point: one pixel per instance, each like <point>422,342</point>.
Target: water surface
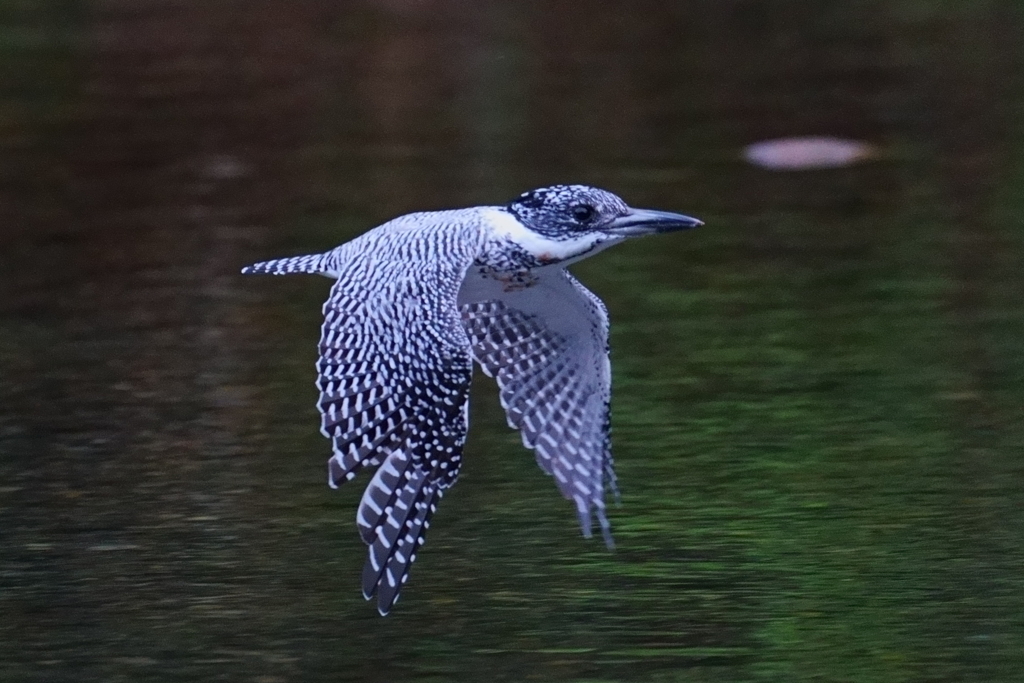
<point>818,396</point>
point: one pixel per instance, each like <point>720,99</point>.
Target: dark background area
<point>818,397</point>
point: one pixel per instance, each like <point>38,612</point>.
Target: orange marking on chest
<point>515,282</point>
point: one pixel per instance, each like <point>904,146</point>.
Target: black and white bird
<point>416,301</point>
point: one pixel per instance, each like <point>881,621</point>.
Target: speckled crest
<point>566,211</point>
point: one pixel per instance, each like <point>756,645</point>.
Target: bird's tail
<point>393,519</point>
<point>309,263</point>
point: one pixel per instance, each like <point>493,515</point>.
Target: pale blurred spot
<point>225,167</point>
<point>797,154</point>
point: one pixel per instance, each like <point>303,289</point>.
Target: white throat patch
<point>504,225</point>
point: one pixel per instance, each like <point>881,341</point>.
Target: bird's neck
<point>512,247</point>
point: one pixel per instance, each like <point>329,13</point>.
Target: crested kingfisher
<point>415,302</point>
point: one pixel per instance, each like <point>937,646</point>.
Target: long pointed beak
<point>648,221</point>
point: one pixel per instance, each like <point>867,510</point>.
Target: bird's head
<point>571,221</point>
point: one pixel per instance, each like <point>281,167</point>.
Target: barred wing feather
<point>391,401</point>
<point>394,374</point>
<point>547,347</point>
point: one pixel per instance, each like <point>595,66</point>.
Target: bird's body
<point>416,301</point>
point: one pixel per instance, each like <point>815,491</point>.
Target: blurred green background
<point>819,396</point>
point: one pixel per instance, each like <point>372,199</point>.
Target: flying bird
<point>415,302</point>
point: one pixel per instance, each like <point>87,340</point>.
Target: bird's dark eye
<point>583,212</point>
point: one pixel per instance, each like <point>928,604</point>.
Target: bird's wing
<point>546,344</point>
<point>393,392</point>
<point>394,374</point>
